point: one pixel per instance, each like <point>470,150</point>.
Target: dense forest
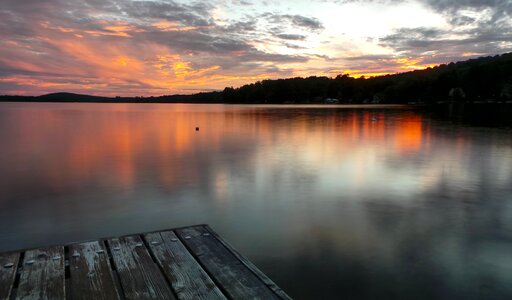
<point>485,79</point>
<point>481,79</point>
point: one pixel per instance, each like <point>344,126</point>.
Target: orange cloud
<point>412,63</point>
<point>181,68</point>
<point>173,26</point>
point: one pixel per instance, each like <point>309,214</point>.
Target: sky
<point>162,47</point>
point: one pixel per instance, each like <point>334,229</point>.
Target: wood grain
<point>140,277</point>
<point>186,276</point>
<point>272,285</point>
<point>91,273</point>
<point>8,267</point>
<point>227,270</point>
<point>186,263</point>
<point>42,274</point>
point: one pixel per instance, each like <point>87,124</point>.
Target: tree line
<point>481,79</point>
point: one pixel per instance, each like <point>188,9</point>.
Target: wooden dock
<point>184,263</point>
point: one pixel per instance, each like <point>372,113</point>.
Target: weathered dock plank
<point>43,274</point>
<point>227,270</point>
<point>8,267</point>
<point>186,263</point>
<point>186,276</point>
<point>272,285</point>
<point>140,277</point>
<point>91,273</point>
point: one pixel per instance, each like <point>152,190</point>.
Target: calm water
<point>326,201</point>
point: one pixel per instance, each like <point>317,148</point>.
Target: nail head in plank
<point>139,275</point>
<point>44,278</point>
<point>91,273</point>
<point>225,268</point>
<point>186,276</point>
<point>8,267</point>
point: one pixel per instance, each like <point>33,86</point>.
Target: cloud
<point>196,14</point>
<point>129,46</point>
<point>433,41</point>
<point>476,27</point>
<point>502,5</point>
<point>174,46</point>
<point>298,21</point>
<point>242,2</point>
<point>454,10</point>
<point>466,12</point>
<point>306,22</point>
<point>293,37</point>
<point>242,27</point>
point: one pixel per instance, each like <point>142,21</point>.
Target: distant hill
<point>56,97</point>
<point>212,97</point>
<point>65,97</point>
<point>476,80</point>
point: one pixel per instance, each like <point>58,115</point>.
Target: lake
<point>331,202</point>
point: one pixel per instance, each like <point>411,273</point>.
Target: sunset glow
<point>158,47</point>
<point>124,134</point>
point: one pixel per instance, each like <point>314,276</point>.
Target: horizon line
<point>358,76</point>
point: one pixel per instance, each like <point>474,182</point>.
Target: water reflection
<point>330,202</point>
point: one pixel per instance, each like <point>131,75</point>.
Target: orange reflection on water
<point>78,145</point>
<point>408,135</point>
